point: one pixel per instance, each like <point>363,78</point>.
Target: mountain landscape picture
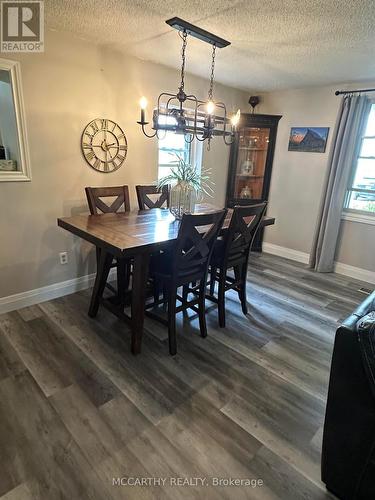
<point>308,139</point>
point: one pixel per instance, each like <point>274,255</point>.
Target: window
<point>171,144</point>
<point>360,196</point>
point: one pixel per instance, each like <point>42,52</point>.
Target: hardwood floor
<point>77,409</point>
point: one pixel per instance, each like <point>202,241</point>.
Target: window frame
<point>355,214</point>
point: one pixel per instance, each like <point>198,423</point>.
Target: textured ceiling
<point>275,43</point>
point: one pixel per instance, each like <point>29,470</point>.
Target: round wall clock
<point>104,145</point>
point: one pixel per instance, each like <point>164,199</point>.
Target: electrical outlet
<point>63,257</point>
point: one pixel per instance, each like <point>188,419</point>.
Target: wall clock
<point>104,145</point>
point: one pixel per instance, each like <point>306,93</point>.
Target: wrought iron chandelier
<point>183,113</point>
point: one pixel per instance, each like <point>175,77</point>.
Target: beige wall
<point>298,178</point>
<point>70,84</point>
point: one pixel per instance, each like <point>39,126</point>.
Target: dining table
<point>134,235</point>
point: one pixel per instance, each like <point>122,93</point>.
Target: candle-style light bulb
<point>210,107</point>
<point>143,102</point>
<point>143,105</point>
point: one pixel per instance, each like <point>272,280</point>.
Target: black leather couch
<point>348,454</point>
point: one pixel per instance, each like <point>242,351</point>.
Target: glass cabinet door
<point>251,163</point>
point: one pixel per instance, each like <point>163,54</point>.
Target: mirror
<point>14,154</point>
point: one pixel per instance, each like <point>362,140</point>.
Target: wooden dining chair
<point>161,197</point>
<point>186,265</point>
<point>232,252</point>
<point>118,200</point>
<point>97,195</point>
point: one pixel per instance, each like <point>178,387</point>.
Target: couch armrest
<point>366,306</point>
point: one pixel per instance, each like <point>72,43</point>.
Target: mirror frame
<point>24,174</point>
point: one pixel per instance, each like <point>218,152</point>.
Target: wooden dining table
<point>130,235</point>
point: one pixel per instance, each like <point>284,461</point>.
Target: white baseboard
<point>288,253</point>
<point>31,297</point>
<point>355,272</point>
<point>340,268</point>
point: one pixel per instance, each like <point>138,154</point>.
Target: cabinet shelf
<point>250,176</point>
<point>252,149</point>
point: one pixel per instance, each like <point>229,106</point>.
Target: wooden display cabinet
<point>250,163</point>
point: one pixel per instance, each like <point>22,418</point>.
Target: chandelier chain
<point>211,90</point>
<point>183,36</point>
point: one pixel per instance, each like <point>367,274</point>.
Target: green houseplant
<point>188,184</point>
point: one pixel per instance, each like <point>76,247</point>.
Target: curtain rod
<point>339,92</point>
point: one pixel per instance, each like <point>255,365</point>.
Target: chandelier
<point>183,113</point>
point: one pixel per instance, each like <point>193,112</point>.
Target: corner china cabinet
<point>250,163</point>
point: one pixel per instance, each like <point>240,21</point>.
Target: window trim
<point>352,214</point>
<point>361,216</point>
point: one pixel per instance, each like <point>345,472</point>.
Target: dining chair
<point>118,200</point>
<point>97,195</point>
<point>160,197</point>
<point>232,251</point>
<point>186,265</point>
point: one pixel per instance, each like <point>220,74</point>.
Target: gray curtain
<point>344,150</point>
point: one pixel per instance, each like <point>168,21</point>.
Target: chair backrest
<point>195,242</point>
<point>95,197</point>
<point>144,200</point>
<point>243,226</point>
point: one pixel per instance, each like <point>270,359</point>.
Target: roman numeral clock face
<point>104,145</point>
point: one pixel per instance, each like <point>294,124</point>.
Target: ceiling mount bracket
<point>195,31</point>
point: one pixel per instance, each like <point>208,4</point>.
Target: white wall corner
<point>287,253</point>
<point>340,268</point>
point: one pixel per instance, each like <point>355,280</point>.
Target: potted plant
<point>188,184</point>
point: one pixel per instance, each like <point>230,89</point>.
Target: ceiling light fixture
<point>185,114</point>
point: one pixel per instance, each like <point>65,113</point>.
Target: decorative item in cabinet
<point>247,167</point>
<point>246,192</point>
<point>250,163</point>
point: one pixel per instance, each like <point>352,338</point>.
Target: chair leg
<point>202,308</point>
<point>172,322</point>
<point>165,296</point>
<point>97,251</point>
<point>212,280</point>
<point>221,298</point>
<point>156,291</point>
<point>243,289</point>
<point>240,273</point>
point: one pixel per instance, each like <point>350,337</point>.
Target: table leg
<point>140,273</point>
<point>122,280</point>
<point>104,265</point>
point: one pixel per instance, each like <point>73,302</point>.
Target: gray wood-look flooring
<point>77,409</point>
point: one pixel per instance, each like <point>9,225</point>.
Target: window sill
<point>359,217</point>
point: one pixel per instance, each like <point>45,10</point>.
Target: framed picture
<point>308,139</point>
